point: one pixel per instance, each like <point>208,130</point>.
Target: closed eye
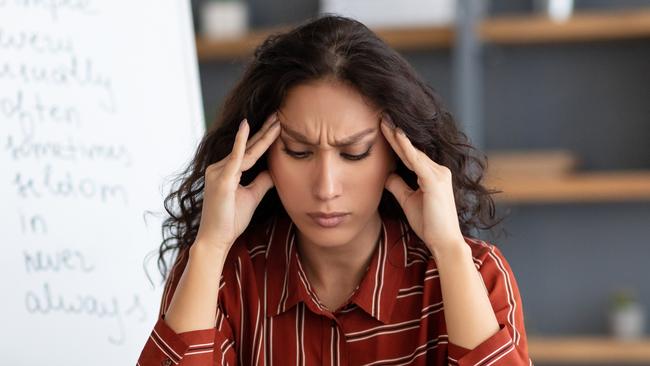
<point>305,154</point>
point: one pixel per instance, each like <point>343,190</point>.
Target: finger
<point>388,129</point>
<point>253,140</point>
<point>265,127</point>
<point>255,151</point>
<point>233,165</point>
<point>260,185</point>
<point>267,124</point>
<point>414,156</point>
<point>396,185</point>
<point>389,133</point>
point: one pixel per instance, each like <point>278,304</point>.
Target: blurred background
<point>557,94</point>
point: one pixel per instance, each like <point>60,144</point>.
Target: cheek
<point>368,179</point>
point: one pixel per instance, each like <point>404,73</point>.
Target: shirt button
<point>166,362</point>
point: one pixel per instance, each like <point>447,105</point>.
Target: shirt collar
<point>286,283</point>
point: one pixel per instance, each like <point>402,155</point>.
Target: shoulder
<point>481,250</point>
<point>491,264</point>
<point>484,251</point>
<point>418,255</point>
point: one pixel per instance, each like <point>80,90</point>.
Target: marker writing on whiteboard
<point>45,301</point>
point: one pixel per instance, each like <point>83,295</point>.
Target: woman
<point>338,233</point>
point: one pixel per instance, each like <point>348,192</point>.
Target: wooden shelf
<point>585,26</point>
<point>614,186</point>
<point>520,29</point>
<point>404,39</point>
<point>588,350</point>
<point>225,49</point>
<point>417,38</point>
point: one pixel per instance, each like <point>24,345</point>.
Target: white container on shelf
<point>557,10</point>
<point>388,13</point>
<point>224,19</point>
<point>627,317</point>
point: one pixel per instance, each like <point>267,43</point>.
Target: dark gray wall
<point>589,97</point>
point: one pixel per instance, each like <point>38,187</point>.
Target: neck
<point>342,266</point>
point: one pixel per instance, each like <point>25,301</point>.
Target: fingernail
<point>241,124</point>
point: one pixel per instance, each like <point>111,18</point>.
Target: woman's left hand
<point>431,209</point>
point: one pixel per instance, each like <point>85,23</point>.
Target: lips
<point>328,220</point>
<point>326,215</point>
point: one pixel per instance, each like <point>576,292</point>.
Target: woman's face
<point>331,156</point>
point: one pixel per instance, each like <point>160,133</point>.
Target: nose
<point>326,184</point>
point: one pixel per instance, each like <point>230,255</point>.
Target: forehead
<point>327,106</point>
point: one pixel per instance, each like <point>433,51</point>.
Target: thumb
<point>396,185</point>
<point>260,185</point>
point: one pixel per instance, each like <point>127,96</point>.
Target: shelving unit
<point>588,350</point>
<point>575,187</point>
<point>520,29</point>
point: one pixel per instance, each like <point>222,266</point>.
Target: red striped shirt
<point>268,313</point>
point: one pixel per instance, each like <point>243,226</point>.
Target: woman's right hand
<point>228,206</point>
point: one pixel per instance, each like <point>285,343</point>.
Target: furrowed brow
<point>347,141</point>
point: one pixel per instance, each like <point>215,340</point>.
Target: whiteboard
<point>99,105</point>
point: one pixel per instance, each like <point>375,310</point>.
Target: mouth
<point>328,220</point>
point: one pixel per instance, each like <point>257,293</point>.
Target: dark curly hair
<point>330,46</point>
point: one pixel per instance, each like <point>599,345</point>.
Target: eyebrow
<point>347,141</point>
